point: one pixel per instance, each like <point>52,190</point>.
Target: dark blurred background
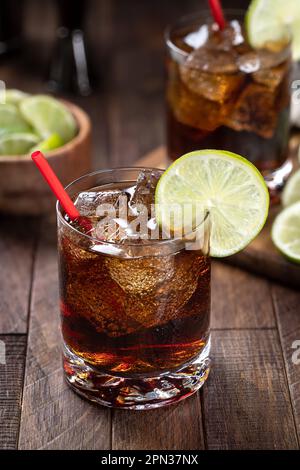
<point>125,53</point>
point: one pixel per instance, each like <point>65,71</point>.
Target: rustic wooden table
<point>252,397</point>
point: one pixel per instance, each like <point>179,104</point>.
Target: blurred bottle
<point>11,13</point>
<point>69,69</point>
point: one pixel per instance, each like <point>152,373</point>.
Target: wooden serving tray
<point>261,256</point>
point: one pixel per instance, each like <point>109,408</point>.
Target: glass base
<point>135,393</point>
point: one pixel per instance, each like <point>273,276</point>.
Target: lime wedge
<point>286,232</point>
<point>54,141</point>
<point>17,144</point>
<point>291,192</point>
<point>48,116</point>
<point>225,184</point>
<point>271,21</point>
<point>13,96</point>
<point>11,120</point>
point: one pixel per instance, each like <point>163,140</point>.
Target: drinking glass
<point>221,93</point>
<point>135,314</point>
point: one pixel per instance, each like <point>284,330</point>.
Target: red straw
<point>59,191</point>
<point>217,13</point>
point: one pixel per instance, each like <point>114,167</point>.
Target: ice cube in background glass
<point>217,87</point>
<point>267,67</point>
<point>211,75</point>
<point>255,111</point>
<point>270,58</point>
<point>238,37</point>
<point>210,71</point>
<point>228,39</point>
<point>206,59</point>
<point>197,38</point>
<point>186,104</point>
<point>249,63</point>
<point>271,77</point>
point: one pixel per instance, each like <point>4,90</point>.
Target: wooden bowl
<point>22,188</point>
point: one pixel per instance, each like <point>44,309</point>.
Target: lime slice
<point>48,116</point>
<point>291,192</point>
<point>271,21</point>
<point>225,184</point>
<point>286,232</point>
<point>13,96</point>
<point>11,120</point>
<point>54,141</point>
<point>17,144</point>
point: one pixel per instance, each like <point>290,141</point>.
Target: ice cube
<point>194,110</point>
<point>212,86</point>
<point>91,292</point>
<point>167,298</point>
<point>128,310</point>
<point>106,249</point>
<point>197,38</point>
<point>255,111</point>
<point>249,63</point>
<point>140,275</point>
<point>271,77</point>
<point>102,307</point>
<point>144,191</point>
<point>212,74</point>
<point>103,209</point>
<point>133,293</point>
<point>111,228</point>
<point>273,58</point>
<point>75,249</point>
<point>142,205</point>
<point>238,36</point>
<point>205,59</point>
<point>226,39</point>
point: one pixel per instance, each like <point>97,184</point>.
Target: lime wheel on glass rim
<point>227,185</point>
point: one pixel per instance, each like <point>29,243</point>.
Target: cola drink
<point>223,94</point>
<point>133,309</point>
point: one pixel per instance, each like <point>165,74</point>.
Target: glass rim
<point>192,17</point>
<point>151,243</point>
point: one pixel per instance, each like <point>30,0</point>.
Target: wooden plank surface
<point>240,300</point>
<point>261,256</point>
<point>287,308</point>
<point>17,246</point>
<point>246,399</point>
<point>11,385</point>
<point>252,396</point>
<point>172,428</point>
